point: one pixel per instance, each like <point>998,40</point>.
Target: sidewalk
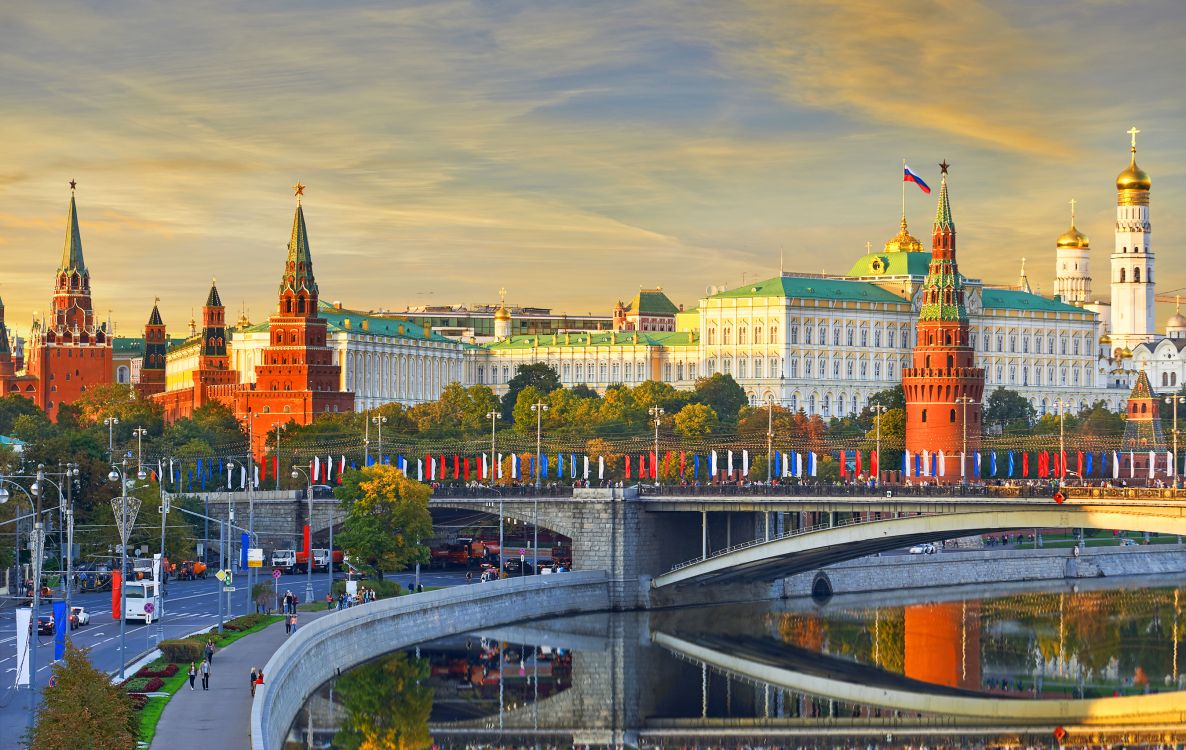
<point>221,716</point>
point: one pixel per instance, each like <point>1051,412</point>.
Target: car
<point>926,548</point>
<point>79,617</point>
<point>45,624</point>
<point>1128,542</point>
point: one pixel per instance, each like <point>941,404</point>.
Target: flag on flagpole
<point>906,464</point>
<point>601,467</point>
<point>1115,465</point>
<point>1152,463</point>
<point>585,474</point>
<point>813,463</point>
<point>712,465</point>
<point>1170,468</point>
<point>745,463</point>
<point>730,463</point>
<point>908,175</point>
<point>1132,464</point>
<point>942,464</point>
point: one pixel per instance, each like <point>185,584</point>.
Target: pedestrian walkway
<point>221,717</point>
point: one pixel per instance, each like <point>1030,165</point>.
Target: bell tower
<point>1132,258</point>
<point>943,386</point>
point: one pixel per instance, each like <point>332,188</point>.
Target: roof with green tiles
<point>802,287</point>
<point>652,302</point>
<point>1013,299</point>
<point>600,338</point>
<point>891,264</point>
<point>339,319</point>
<point>127,346</point>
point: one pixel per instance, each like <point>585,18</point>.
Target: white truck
<point>284,560</point>
<point>142,601</point>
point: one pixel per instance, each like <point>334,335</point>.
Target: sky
<point>570,152</point>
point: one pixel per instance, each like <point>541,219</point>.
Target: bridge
<point>868,533</point>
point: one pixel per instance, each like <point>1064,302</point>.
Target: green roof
<point>652,302</point>
<point>812,288</point>
<point>335,319</point>
<point>600,338</point>
<point>1013,299</point>
<point>891,264</point>
<point>135,345</point>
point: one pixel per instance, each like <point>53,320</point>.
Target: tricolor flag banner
<point>712,465</point>
<point>908,175</point>
<point>586,473</point>
<point>316,468</point>
<point>942,464</point>
<point>1132,464</point>
<point>745,463</point>
<point>905,464</point>
<point>1152,463</point>
<point>812,463</point>
<point>1115,465</point>
<point>499,466</point>
<point>1170,464</point>
<point>420,470</point>
<point>730,462</point>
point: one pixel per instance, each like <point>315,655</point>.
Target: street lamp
<point>32,642</point>
<point>139,432</point>
<point>119,473</point>
<point>1062,448</point>
<point>111,422</point>
<point>657,413</point>
<point>494,416</point>
<point>878,410</point>
<point>379,421</point>
<point>297,473</point>
<point>1175,400</point>
<point>539,407</point>
<point>964,401</point>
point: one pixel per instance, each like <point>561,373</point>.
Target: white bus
<point>142,600</point>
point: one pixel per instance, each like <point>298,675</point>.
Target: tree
<point>695,421</point>
<point>539,375</point>
<point>386,517</point>
<point>723,394</point>
<point>387,704</point>
<point>80,708</point>
<point>522,415</point>
<point>890,398</point>
<point>1007,409</point>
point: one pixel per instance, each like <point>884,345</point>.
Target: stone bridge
<point>280,515</point>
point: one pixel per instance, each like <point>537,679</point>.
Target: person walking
<point>292,624</point>
<point>205,675</point>
<point>209,650</point>
<point>288,624</point>
<point>193,673</point>
<point>254,676</point>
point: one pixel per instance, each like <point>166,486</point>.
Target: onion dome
<point>1105,339</point>
<point>1177,320</point>
<point>1124,353</point>
<point>903,241</point>
<point>1133,178</point>
<point>501,313</point>
<point>1073,238</point>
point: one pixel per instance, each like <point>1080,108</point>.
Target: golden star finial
<point>73,185</point>
<point>298,190</point>
<point>944,166</point>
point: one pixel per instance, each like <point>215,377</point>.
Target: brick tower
<point>152,365</point>
<point>214,367</point>
<point>12,384</point>
<point>943,385</point>
<point>69,352</point>
<point>297,378</point>
<point>1142,422</point>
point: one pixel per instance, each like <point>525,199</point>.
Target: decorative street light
<point>140,432</point>
<point>539,407</point>
<point>963,401</point>
<point>494,468</point>
<point>125,519</point>
<point>379,421</point>
<point>656,413</point>
<point>111,422</point>
<point>878,410</point>
<point>297,473</point>
<point>1174,401</point>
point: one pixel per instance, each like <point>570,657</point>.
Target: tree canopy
<point>386,518</point>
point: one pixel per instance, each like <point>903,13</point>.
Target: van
<point>142,601</point>
<point>284,559</point>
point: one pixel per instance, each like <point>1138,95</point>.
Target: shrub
<point>138,700</point>
<point>154,684</point>
<point>167,670</point>
<point>382,587</point>
<point>244,622</point>
<point>181,651</point>
<point>136,684</point>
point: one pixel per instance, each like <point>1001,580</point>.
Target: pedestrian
<point>254,677</point>
<point>205,675</point>
<point>210,650</point>
<point>193,673</point>
<point>294,623</point>
<point>259,677</point>
<point>329,601</point>
<point>288,624</point>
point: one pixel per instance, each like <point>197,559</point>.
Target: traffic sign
<point>220,575</point>
<point>229,589</point>
<point>255,557</point>
<point>276,573</point>
<point>522,552</point>
<point>148,607</point>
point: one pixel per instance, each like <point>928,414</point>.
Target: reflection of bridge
<point>854,684</point>
<point>868,533</point>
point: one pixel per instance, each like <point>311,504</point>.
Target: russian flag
<point>910,176</point>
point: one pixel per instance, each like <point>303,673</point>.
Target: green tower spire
<point>72,250</point>
<point>298,270</point>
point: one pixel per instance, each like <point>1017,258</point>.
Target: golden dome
<point>903,242</point>
<point>1177,320</point>
<point>501,313</point>
<point>1105,339</point>
<point>1133,178</point>
<point>1124,353</point>
<point>1073,238</point>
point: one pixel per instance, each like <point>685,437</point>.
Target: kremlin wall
<point>816,342</point>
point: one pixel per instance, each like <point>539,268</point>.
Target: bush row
<point>182,651</point>
<point>167,670</point>
<point>382,587</point>
<point>144,684</point>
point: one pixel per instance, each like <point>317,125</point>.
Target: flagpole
<point>903,179</point>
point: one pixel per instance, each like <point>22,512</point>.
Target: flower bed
<point>155,670</point>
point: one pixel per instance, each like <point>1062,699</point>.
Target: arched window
<point>794,334</point>
<point>924,415</point>
<point>726,335</point>
<point>712,336</point>
<point>773,334</point>
<point>1136,275</point>
<point>953,415</point>
<point>742,335</point>
<point>1121,275</point>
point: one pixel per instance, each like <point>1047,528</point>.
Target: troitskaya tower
<point>943,385</point>
<point>1132,259</point>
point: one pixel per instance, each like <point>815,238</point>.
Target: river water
<point>1093,664</point>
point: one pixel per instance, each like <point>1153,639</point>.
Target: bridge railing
<point>835,490</point>
<point>514,491</point>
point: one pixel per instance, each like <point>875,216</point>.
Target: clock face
<point>879,264</point>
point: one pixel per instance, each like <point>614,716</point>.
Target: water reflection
<point>993,671</point>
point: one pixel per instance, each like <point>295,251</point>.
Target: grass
<point>150,715</point>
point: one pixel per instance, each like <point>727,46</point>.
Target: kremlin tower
<point>152,366</point>
<point>943,386</point>
<point>69,351</point>
<point>1132,260</point>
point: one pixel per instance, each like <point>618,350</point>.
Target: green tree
<point>1006,409</point>
<point>890,398</point>
<point>14,407</point>
<point>522,415</point>
<point>80,708</point>
<point>723,394</point>
<point>1100,421</point>
<point>386,517</point>
<point>695,421</point>
<point>538,375</point>
<point>387,705</point>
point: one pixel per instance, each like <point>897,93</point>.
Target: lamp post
<point>539,407</point>
<point>32,642</point>
<point>111,422</point>
<point>656,413</point>
<point>1174,401</point>
<point>963,401</point>
<point>494,416</point>
<point>878,410</point>
<point>297,473</point>
<point>769,437</point>
<point>119,473</point>
<point>1062,448</point>
<point>379,421</point>
<point>139,432</point>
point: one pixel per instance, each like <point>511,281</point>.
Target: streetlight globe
<point>295,475</point>
<point>3,495</point>
<point>141,475</point>
<point>113,476</point>
<point>35,488</point>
